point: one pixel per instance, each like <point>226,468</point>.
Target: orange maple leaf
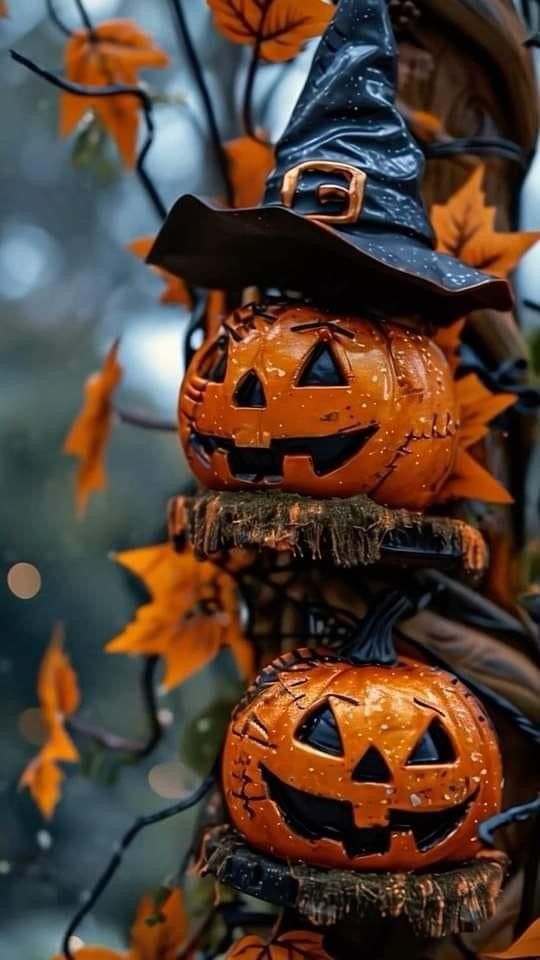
<point>58,696</point>
<point>526,947</point>
<point>449,341</point>
<point>88,436</point>
<point>279,27</point>
<point>465,228</point>
<point>192,615</point>
<point>250,162</point>
<point>293,945</point>
<point>469,479</point>
<point>112,53</point>
<point>156,941</point>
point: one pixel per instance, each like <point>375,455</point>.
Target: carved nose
<point>250,392</point>
<point>372,768</point>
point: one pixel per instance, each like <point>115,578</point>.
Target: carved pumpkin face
<point>362,767</point>
<point>313,403</point>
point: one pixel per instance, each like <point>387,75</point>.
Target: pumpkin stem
<point>374,641</point>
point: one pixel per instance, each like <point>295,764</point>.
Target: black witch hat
<point>342,219</point>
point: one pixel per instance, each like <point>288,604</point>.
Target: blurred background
<point>68,287</point>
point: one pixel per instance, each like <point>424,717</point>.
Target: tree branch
<point>184,35</point>
<point>113,90</point>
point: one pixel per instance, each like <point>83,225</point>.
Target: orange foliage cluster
<point>88,436</point>
<point>465,228</point>
<point>294,945</point>
<point>112,53</point>
<point>161,940</point>
<point>279,28</point>
<point>192,615</point>
<point>58,695</point>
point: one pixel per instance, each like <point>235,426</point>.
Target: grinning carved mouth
<point>318,818</point>
<point>254,464</point>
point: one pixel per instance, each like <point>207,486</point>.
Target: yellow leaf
<point>526,947</point>
<point>112,53</point>
<point>294,945</point>
<point>88,436</point>
<point>176,290</point>
<point>279,27</point>
<point>193,613</point>
<point>465,228</point>
<point>250,162</point>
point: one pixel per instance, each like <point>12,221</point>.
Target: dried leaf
<point>279,27</point>
<point>59,697</point>
<point>468,479</point>
<point>465,228</point>
<point>250,162</point>
<point>193,613</point>
<point>157,941</point>
<point>113,53</point>
<point>526,947</point>
<point>91,429</point>
<point>294,945</point>
<point>176,290</point>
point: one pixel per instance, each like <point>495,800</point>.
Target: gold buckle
<point>352,193</point>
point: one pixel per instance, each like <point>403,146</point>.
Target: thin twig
<point>113,90</point>
<point>102,883</point>
<point>54,17</point>
<point>248,91</point>
<point>144,420</point>
<point>84,15</point>
<point>105,738</point>
<point>182,29</point>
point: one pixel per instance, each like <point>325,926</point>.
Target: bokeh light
<point>168,780</point>
<point>24,580</point>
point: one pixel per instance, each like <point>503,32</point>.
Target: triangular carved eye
<point>372,768</point>
<point>214,365</point>
<point>250,392</point>
<point>320,730</point>
<point>434,746</point>
<point>321,369</point>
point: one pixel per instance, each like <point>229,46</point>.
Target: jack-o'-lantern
<point>360,766</point>
<point>290,397</point>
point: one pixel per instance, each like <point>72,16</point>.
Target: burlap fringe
<point>349,531</point>
<point>435,904</point>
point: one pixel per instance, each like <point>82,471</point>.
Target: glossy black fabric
<point>385,261</point>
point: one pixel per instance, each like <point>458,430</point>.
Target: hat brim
<point>274,247</point>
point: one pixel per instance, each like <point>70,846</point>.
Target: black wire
<point>148,688</point>
<point>102,883</point>
<point>110,91</point>
<point>84,15</point>
<point>185,36</point>
<point>479,146</point>
<point>54,17</point>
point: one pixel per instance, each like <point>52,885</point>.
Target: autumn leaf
<point>279,27</point>
<point>526,947</point>
<point>294,945</point>
<point>58,696</point>
<point>112,53</point>
<point>88,436</point>
<point>161,940</point>
<point>250,162</point>
<point>176,290</point>
<point>468,478</point>
<point>4,12</point>
<point>448,339</point>
<point>216,310</point>
<point>465,228</point>
<point>192,615</point>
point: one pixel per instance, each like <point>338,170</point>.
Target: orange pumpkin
<point>320,404</point>
<point>360,767</point>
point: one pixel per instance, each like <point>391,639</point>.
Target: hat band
<point>352,193</point>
